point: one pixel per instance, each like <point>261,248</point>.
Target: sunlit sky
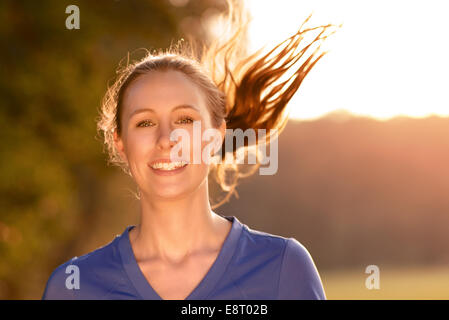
<point>389,58</point>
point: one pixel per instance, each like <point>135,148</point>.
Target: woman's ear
<point>120,147</point>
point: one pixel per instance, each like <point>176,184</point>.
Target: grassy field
<point>395,283</point>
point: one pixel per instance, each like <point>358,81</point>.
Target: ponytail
<point>256,92</point>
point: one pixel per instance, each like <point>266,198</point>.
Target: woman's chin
<point>169,193</point>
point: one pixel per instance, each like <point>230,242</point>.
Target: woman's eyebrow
<point>182,106</point>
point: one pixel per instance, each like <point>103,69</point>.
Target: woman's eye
<point>186,120</point>
<point>148,123</point>
<point>144,123</point>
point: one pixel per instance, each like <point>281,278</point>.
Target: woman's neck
<point>171,230</point>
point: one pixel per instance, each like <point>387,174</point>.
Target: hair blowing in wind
<point>247,91</point>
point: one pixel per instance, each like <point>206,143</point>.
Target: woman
<point>182,249</point>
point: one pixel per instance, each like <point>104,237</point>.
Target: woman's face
<point>153,106</point>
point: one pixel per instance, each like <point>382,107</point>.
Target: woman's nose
<point>164,141</point>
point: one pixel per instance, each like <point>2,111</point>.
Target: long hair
<point>246,91</point>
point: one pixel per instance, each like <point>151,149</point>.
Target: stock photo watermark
<point>373,280</point>
<point>73,280</point>
<point>73,20</point>
<point>257,147</point>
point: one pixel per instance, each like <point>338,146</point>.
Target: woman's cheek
<point>141,144</point>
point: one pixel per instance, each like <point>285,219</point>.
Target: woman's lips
<point>168,172</point>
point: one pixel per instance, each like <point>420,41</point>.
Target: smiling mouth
<point>168,166</point>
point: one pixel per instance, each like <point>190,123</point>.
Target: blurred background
<point>363,175</point>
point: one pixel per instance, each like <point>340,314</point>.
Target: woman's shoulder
<point>291,250</point>
<point>289,246</point>
<point>261,247</point>
<point>298,275</point>
<point>299,278</point>
<point>98,258</point>
<point>67,278</point>
<point>257,239</point>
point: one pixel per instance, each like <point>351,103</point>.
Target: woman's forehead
<point>160,90</point>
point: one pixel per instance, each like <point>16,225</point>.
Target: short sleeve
<point>56,288</point>
<point>299,278</point>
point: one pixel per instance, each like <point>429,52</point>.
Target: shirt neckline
<point>205,286</point>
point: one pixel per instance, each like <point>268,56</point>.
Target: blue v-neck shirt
<point>251,265</point>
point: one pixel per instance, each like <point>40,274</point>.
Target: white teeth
<point>168,165</point>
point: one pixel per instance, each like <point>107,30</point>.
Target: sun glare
<point>389,58</point>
